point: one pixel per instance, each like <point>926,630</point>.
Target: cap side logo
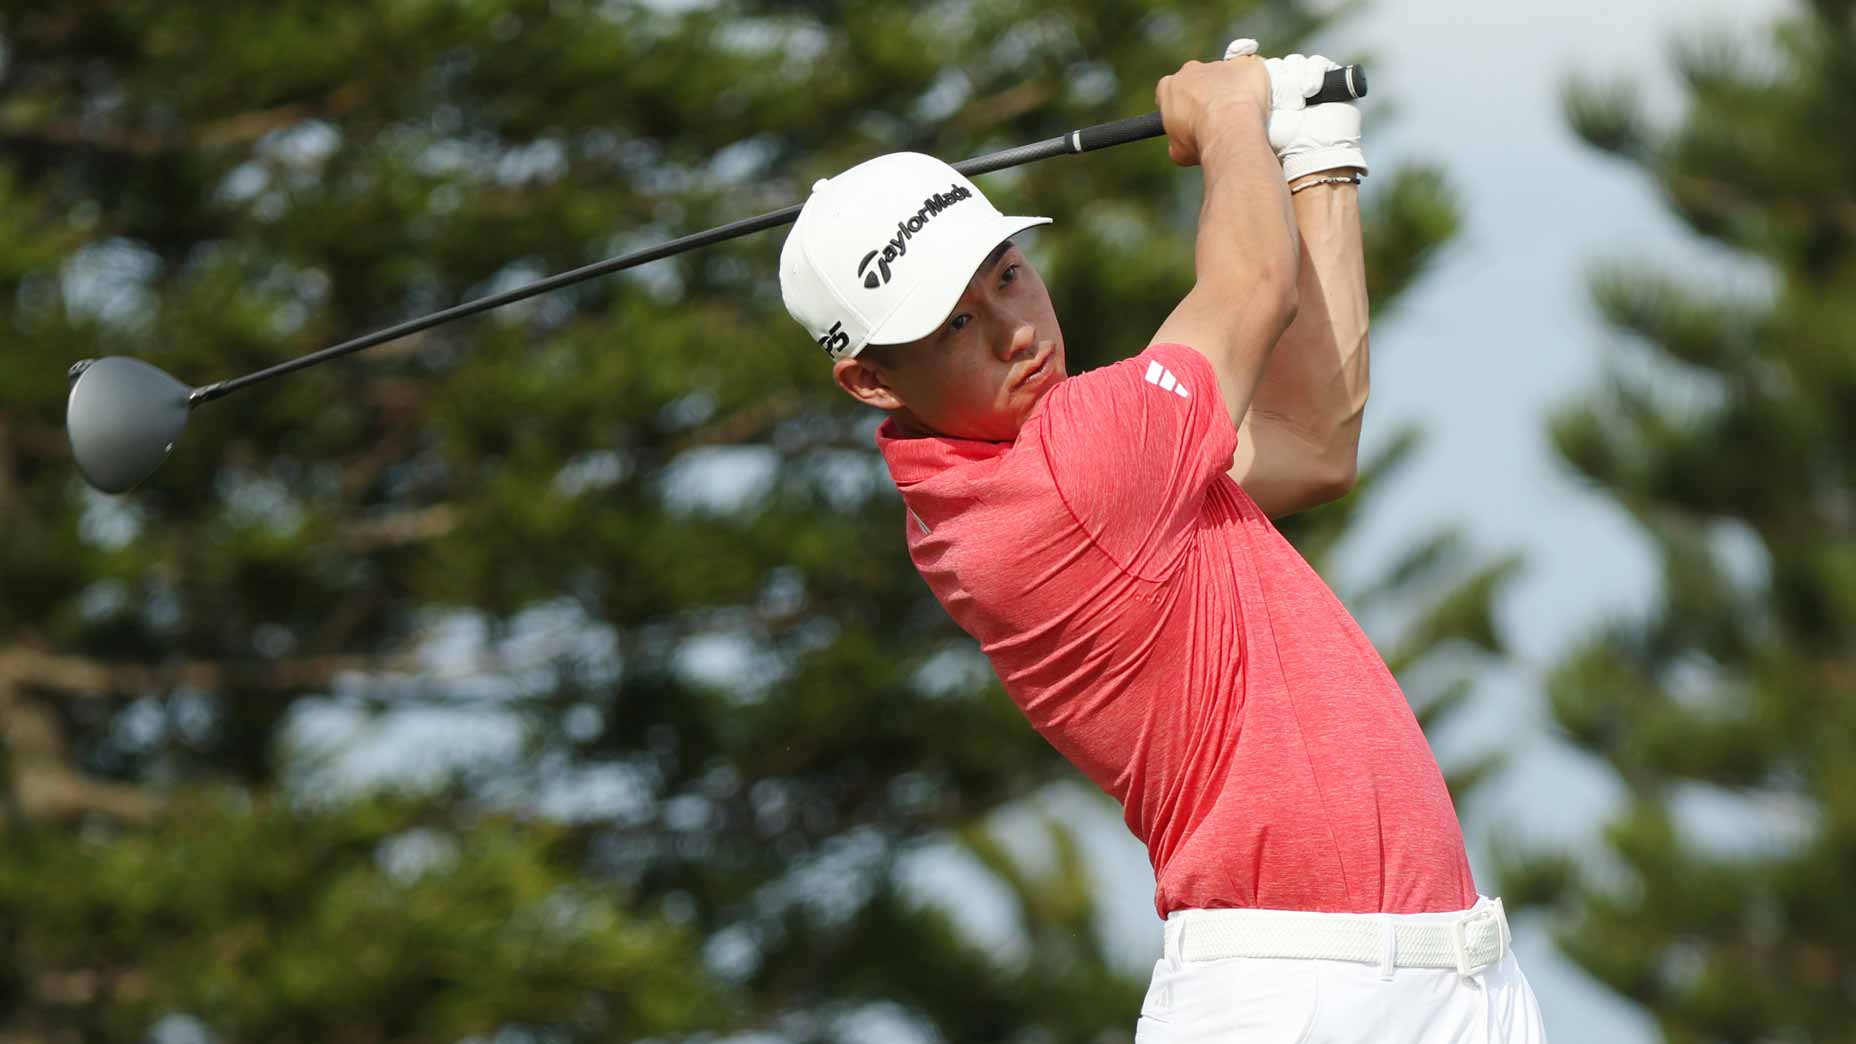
<point>889,252</point>
<point>835,339</point>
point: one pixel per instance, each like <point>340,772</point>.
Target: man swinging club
<point>1106,539</point>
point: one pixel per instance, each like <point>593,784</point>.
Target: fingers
<point>1295,78</point>
<point>1176,115</point>
<point>1313,72</point>
<point>1305,137</point>
<point>1199,92</point>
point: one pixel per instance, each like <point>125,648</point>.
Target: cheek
<point>961,392</point>
<point>947,392</point>
<point>969,380</point>
<point>1047,313</point>
<point>972,392</point>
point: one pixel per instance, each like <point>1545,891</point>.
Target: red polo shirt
<point>1158,631</point>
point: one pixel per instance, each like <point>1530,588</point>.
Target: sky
<point>1500,333</point>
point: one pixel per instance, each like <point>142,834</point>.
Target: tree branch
<point>239,129</point>
<point>399,528</point>
<point>1000,106</point>
<point>44,786</point>
<point>743,424</point>
<point>76,675</point>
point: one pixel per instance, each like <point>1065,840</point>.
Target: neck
<point>908,424</point>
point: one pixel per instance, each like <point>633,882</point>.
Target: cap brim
<point>923,311</point>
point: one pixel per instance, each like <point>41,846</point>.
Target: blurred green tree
<point>1729,434</point>
<point>629,529</point>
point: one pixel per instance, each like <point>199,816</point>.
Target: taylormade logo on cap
<point>905,230</point>
<point>850,289</point>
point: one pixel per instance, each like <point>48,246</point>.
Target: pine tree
<point>1740,434</point>
<point>666,537</point>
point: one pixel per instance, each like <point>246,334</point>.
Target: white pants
<point>1276,1000</point>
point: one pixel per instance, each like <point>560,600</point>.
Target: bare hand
<point>1196,102</point>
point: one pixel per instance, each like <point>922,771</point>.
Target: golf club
<point>124,415</point>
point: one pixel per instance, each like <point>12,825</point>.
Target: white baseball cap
<point>881,253</point>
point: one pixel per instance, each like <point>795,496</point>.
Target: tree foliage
<point>1739,686</point>
<point>666,540</point>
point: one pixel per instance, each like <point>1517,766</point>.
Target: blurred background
<point>560,675</point>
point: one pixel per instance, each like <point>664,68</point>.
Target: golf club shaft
<point>1343,84</point>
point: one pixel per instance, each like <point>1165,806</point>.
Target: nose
<point>1024,340</point>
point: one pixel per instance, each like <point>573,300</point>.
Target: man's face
<point>982,372</point>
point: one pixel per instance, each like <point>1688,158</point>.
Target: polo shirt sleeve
<point>1133,448</point>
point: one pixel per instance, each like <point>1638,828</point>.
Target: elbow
<point>1317,484</point>
<point>1334,474</point>
<point>1317,489</point>
<point>1337,482</point>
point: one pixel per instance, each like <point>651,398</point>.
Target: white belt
<point>1470,943</point>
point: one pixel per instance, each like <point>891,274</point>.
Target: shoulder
<point>1171,369</point>
<point>1166,388</point>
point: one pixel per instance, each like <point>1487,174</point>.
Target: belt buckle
<point>1459,940</point>
<point>1459,944</point>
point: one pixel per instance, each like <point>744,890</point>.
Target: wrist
<point>1338,182</point>
<point>1333,177</point>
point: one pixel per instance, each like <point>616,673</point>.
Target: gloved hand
<point>1307,138</point>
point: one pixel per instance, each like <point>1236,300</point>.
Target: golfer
<point>1106,538</point>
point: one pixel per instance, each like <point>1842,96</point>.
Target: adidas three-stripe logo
<point>1160,375</point>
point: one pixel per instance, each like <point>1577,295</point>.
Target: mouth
<point>1040,368</point>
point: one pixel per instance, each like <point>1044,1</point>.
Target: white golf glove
<point>1307,138</point>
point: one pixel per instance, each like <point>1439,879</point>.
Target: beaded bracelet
<point>1350,179</point>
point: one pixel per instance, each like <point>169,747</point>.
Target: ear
<point>863,381</point>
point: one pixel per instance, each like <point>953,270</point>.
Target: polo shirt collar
<point>917,458</point>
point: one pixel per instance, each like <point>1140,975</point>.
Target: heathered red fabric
<point>1158,631</point>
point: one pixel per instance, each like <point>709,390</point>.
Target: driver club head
<point>122,417</point>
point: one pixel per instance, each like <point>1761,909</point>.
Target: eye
<point>1010,275</point>
<point>958,323</point>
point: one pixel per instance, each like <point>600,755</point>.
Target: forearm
<point>1246,261</point>
<point>1247,223</point>
<point>1314,386</point>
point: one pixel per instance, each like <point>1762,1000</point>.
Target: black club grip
<point>1117,132</point>
<point>1343,84</point>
